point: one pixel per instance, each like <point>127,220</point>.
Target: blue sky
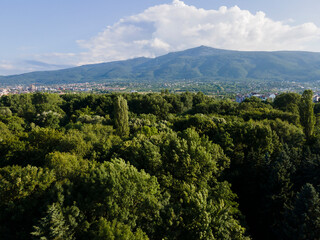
<point>47,35</point>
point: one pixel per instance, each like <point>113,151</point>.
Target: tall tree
<point>121,116</point>
<point>277,194</point>
<point>307,118</point>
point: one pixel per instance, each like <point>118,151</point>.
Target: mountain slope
<point>198,63</point>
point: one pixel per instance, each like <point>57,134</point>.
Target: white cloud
<point>6,65</point>
<point>23,66</point>
<point>177,26</point>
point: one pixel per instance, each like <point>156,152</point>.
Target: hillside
<point>203,63</point>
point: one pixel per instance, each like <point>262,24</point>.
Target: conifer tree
<point>278,192</point>
<point>303,221</point>
<point>121,116</point>
<point>307,118</point>
<point>52,226</point>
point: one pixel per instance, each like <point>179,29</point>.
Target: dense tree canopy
<point>158,166</point>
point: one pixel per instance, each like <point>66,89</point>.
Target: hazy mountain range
<point>203,63</point>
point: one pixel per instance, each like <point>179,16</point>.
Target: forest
<point>159,166</point>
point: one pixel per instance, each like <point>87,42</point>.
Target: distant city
<point>60,89</point>
<point>265,97</point>
<point>105,88</point>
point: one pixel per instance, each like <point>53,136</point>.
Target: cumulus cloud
<point>178,26</point>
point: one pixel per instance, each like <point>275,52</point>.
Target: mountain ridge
<point>202,63</point>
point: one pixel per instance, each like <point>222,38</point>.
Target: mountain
<point>202,63</point>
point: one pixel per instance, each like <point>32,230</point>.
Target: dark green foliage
<point>44,102</point>
<point>288,102</point>
<point>42,141</point>
<point>184,166</point>
<point>272,114</point>
<point>187,167</point>
<point>218,107</point>
<point>116,190</point>
<point>278,193</point>
<point>22,191</point>
<point>287,132</point>
<point>20,104</point>
<point>202,123</point>
<point>303,220</point>
<point>11,147</point>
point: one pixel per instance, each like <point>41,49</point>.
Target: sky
<point>37,35</point>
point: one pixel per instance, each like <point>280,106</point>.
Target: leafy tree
<point>5,111</point>
<point>11,146</point>
<point>191,158</point>
<point>73,141</point>
<point>198,98</point>
<point>202,123</point>
<point>44,102</point>
<point>226,107</point>
<point>22,194</point>
<point>114,230</point>
<point>117,190</point>
<point>15,124</point>
<point>43,141</point>
<point>287,132</point>
<point>186,99</point>
<point>288,102</point>
<point>65,164</point>
<point>48,119</point>
<point>99,140</point>
<point>142,153</point>
<point>20,104</point>
<point>190,169</point>
<point>18,182</point>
